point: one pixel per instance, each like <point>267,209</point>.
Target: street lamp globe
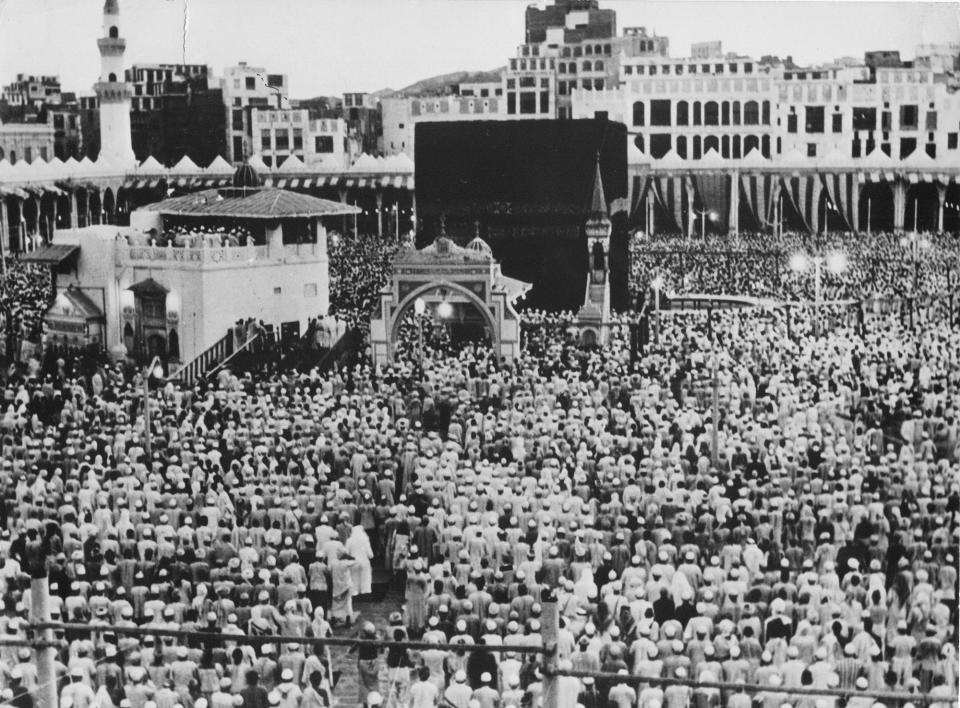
<point>798,262</point>
<point>445,309</point>
<point>419,306</point>
<point>157,372</point>
<point>657,283</point>
<point>713,216</point>
<point>836,263</point>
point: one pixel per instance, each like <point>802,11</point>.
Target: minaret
<point>116,146</point>
<point>594,315</point>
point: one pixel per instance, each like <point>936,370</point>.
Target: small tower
<point>116,145</point>
<point>594,315</point>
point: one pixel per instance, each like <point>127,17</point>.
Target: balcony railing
<point>214,255</point>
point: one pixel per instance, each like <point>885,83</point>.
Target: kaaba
<point>525,187</point>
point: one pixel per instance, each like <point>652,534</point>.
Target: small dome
<point>480,246</point>
<point>246,177</point>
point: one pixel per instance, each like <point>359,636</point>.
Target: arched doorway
<point>920,213</point>
<point>109,207</point>
<point>95,205</point>
<point>63,211</point>
<point>452,317</point>
<point>876,207</point>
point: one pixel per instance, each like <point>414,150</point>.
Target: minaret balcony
<point>112,91</point>
<point>112,46</point>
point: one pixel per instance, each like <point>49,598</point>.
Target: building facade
<point>26,142</point>
<point>35,91</point>
<point>318,143</point>
<point>246,87</point>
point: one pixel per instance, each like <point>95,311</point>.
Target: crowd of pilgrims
<point>877,265</point>
<point>817,550</point>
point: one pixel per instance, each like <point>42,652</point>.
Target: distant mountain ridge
<point>440,85</point>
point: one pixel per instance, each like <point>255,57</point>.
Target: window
<point>682,146</point>
<point>598,84</point>
<point>951,141</point>
<point>659,145</point>
<point>58,121</point>
<point>628,69</point>
<point>908,117</point>
<point>932,150</point>
<point>112,77</point>
<point>265,139</point>
<point>114,33</point>
<point>931,123</point>
<point>238,148</point>
<point>638,113</point>
<point>837,122</point>
<point>297,139</point>
<point>653,70</point>
<point>705,68</point>
<point>856,149</point>
<point>660,112</point>
<point>401,126</point>
<point>765,118</point>
<point>813,121</point>
<point>598,66</point>
<point>886,120</point>
<point>511,103</point>
<point>725,113</point>
<point>718,68</point>
<point>528,81</point>
<point>811,149</point>
<point>733,67</point>
<point>236,119</point>
<point>711,142</point>
<point>666,69</point>
<point>528,102</point>
<point>792,123</point>
<point>711,113</point>
<point>885,149</point>
<point>43,153</point>
<point>250,83</point>
<point>323,143</point>
<point>511,83</point>
<point>748,68</point>
<point>697,151</point>
<point>864,118</point>
<point>283,140</point>
<point>683,110</point>
<point>544,101</point>
<point>736,147</point>
<point>751,113</point>
<point>696,113</point>
<point>907,147</point>
<point>765,146</point>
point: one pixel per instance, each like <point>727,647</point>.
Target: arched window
<point>736,147</point>
<point>711,142</point>
<point>751,142</point>
<point>112,77</point>
<point>638,111</point>
<point>725,146</point>
<point>696,113</point>
<point>696,147</point>
<point>751,113</point>
<point>173,345</point>
<point>2,153</point>
<point>114,32</point>
<point>586,66</point>
<point>711,113</point>
<point>725,113</point>
<point>766,112</point>
<point>683,113</point>
<point>765,147</point>
<point>736,112</point>
<point>598,66</point>
<point>13,157</point>
<point>682,146</point>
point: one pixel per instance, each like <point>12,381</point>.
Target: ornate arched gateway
<point>461,276</point>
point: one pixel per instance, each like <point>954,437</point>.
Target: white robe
<point>358,546</point>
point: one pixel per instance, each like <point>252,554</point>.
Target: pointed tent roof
<point>400,162</point>
<point>151,165</point>
<point>186,166</point>
<point>877,158</point>
<point>292,164</point>
<point>365,163</point>
<point>598,201</point>
<point>71,165</point>
<point>671,159</point>
<point>755,158</point>
<point>835,158</point>
<point>712,158</point>
<point>257,163</point>
<point>794,158</point>
<point>220,166</point>
<point>919,158</point>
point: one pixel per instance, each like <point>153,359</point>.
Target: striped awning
<point>362,182</point>
<point>294,183</point>
<point>281,183</point>
<point>307,182</point>
<point>349,182</point>
<point>398,182</point>
<point>152,184</point>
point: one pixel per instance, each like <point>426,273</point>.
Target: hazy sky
<point>332,46</point>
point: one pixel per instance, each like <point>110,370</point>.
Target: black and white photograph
<point>479,354</point>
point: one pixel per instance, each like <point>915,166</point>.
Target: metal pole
<point>420,337</point>
<point>46,653</point>
<point>715,428</point>
<point>549,635</point>
<point>869,205</point>
<point>146,417</point>
<point>703,227</point>
<point>817,296</point>
<point>656,310</point>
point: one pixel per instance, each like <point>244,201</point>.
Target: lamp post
<point>657,285</point>
<point>715,428</point>
<point>704,215</point>
<point>396,220</point>
<point>419,307</point>
<point>915,243</point>
<point>836,263</point>
<point>155,368</point>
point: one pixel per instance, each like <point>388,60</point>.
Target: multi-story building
<point>245,87</point>
<point>36,91</point>
<point>319,143</point>
<point>364,121</point>
<point>67,122</point>
<point>25,142</point>
<point>401,114</point>
<point>151,81</point>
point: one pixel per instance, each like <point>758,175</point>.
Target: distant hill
<point>441,85</point>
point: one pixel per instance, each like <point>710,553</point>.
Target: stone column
<point>379,194</point>
<point>855,202</point>
<point>899,204</point>
<point>733,222</point>
<point>74,217</point>
<point>941,198</point>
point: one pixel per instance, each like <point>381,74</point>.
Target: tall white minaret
<point>116,146</point>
